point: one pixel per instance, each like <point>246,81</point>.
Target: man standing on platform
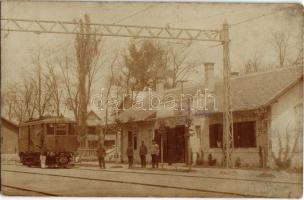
<point>101,153</point>
<point>154,154</point>
<point>143,152</point>
<point>130,155</point>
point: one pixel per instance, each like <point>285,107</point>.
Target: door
<point>130,138</point>
<point>173,144</point>
<point>180,144</point>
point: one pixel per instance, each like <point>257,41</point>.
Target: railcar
<point>53,140</point>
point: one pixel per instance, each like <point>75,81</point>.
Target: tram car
<point>52,139</point>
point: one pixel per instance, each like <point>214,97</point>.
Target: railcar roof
<point>47,121</point>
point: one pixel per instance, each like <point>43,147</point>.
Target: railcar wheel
<point>63,159</point>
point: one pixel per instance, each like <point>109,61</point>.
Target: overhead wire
<point>135,13</point>
<point>257,17</point>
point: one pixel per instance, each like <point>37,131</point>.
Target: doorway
<point>173,144</point>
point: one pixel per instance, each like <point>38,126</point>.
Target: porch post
<point>262,129</point>
<point>162,132</point>
<point>162,150</point>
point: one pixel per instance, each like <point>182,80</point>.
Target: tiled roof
<point>140,111</point>
<point>250,91</point>
<point>48,119</point>
<point>3,119</point>
<point>253,91</point>
<point>131,115</point>
<point>247,92</point>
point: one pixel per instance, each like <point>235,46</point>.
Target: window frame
<point>65,129</point>
<point>238,131</point>
<point>218,127</point>
<point>47,129</point>
<point>198,131</point>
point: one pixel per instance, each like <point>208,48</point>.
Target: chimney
<point>209,77</point>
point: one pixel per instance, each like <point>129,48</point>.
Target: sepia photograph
<point>152,99</point>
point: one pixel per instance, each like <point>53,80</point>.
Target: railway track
<point>189,176</point>
<point>160,185</point>
<point>136,183</point>
<point>4,188</point>
<point>194,176</point>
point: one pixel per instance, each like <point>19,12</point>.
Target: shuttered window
<point>215,135</point>
<point>244,135</point>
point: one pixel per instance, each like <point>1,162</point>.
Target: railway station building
<point>267,120</point>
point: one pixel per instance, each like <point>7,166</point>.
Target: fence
<point>90,154</point>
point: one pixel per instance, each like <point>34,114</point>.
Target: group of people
<point>143,151</point>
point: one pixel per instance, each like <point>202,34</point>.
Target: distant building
<point>9,137</point>
<point>96,134</point>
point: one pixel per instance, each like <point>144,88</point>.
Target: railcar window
<point>50,129</point>
<point>61,129</point>
<point>72,129</point>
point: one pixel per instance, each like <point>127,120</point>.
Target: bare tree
<point>180,69</point>
<point>252,65</point>
<point>280,43</point>
<point>110,84</point>
<point>69,74</point>
<point>287,150</point>
<point>87,51</point>
<point>20,101</point>
<point>299,58</point>
<point>38,80</point>
<point>54,87</point>
<point>8,97</point>
<point>28,99</point>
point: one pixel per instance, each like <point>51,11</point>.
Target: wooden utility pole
<point>227,116</point>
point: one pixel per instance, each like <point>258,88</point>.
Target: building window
<point>244,134</point>
<point>92,144</point>
<point>109,144</point>
<point>198,131</point>
<point>72,129</point>
<point>215,135</point>
<point>91,130</point>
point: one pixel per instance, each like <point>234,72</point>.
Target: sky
<point>248,39</point>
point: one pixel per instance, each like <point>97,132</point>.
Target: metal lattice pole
<point>227,116</point>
